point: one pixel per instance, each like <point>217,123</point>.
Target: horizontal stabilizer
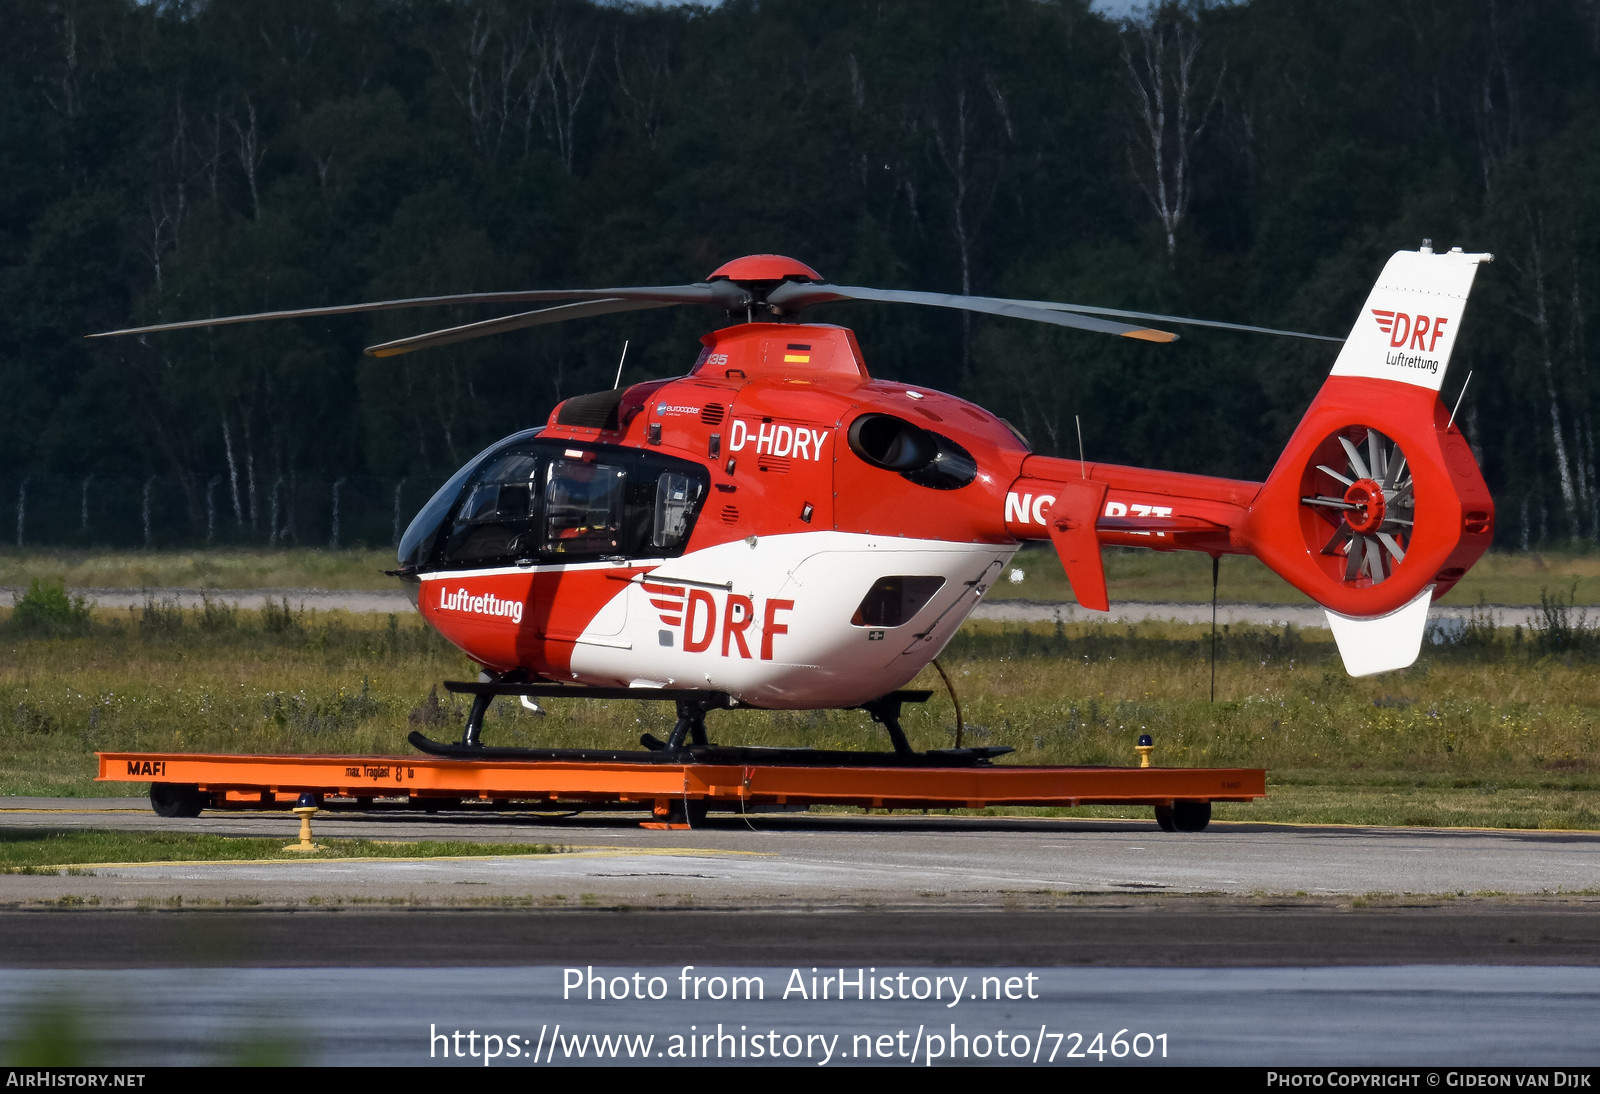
<point>1072,530</point>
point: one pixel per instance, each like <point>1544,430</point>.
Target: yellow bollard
<point>1146,745</point>
<point>306,809</point>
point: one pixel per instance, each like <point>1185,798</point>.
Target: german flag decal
<point>797,355</point>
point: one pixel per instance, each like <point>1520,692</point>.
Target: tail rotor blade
<point>1353,559</point>
<point>1356,465</point>
<point>1342,478</point>
<point>1374,559</point>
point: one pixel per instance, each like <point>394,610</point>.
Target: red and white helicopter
<point>777,529</point>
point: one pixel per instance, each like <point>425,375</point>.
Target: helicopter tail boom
<point>1375,507</point>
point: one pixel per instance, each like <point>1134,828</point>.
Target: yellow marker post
<point>305,810</point>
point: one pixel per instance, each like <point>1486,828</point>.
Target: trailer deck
<point>183,784</point>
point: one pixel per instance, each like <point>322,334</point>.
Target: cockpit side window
<point>677,498</point>
<point>420,546</point>
<point>498,517</point>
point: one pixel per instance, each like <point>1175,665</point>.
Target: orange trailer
<point>183,784</point>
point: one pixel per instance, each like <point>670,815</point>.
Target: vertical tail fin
<point>1376,505</point>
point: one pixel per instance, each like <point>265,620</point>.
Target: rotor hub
<point>1368,517</point>
<point>764,268</point>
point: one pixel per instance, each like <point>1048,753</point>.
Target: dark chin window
<point>895,600</point>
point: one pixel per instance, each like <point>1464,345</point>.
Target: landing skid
<point>658,753</point>
<point>688,742</point>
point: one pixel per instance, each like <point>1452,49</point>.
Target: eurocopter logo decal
<point>486,604</point>
<point>700,618</point>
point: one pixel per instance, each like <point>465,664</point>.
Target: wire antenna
<point>1216,565</point>
<point>1082,467</point>
<point>618,382</point>
<point>1459,397</point>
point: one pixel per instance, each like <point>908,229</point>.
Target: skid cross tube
<point>688,739</point>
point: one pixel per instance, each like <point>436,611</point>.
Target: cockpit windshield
<point>529,500</point>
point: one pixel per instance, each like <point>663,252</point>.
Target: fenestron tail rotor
<point>1371,504</point>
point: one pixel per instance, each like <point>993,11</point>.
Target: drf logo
<point>701,619</point>
<point>1422,331</point>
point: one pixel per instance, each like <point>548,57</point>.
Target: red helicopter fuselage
<point>779,529</point>
<point>782,528</point>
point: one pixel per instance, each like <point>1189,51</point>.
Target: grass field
<point>1501,728</point>
<point>1500,578</point>
<point>221,569</point>
<point>1185,577</point>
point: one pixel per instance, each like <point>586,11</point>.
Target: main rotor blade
<point>558,314</point>
<point>724,293</point>
<point>792,296</point>
<point>796,295</point>
<point>1181,321</point>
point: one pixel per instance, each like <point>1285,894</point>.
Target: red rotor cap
<point>1369,496</point>
<point>764,268</point>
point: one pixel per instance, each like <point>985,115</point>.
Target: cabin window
<point>583,504</point>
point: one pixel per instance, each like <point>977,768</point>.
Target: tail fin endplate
<point>1376,505</point>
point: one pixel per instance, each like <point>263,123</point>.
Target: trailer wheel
<point>1184,816</point>
<point>692,812</point>
<point>177,799</point>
